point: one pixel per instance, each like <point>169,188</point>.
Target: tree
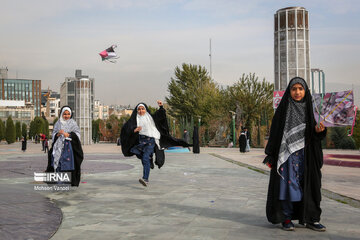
<point>18,130</point>
<point>340,139</point>
<point>10,132</point>
<point>45,127</point>
<point>110,128</point>
<point>24,130</point>
<point>37,127</point>
<point>2,130</point>
<point>250,98</point>
<point>356,133</point>
<point>192,93</point>
<point>95,130</point>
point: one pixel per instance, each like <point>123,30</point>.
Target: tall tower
<point>291,46</point>
<point>78,93</point>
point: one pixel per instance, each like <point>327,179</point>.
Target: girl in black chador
<point>66,154</point>
<point>23,144</point>
<point>242,140</point>
<point>295,156</point>
<point>145,133</point>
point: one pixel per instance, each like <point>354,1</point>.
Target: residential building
<point>25,90</point>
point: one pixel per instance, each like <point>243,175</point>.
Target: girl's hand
<point>66,135</point>
<point>61,132</point>
<point>138,129</point>
<point>319,127</point>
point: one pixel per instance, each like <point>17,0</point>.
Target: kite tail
<point>352,128</point>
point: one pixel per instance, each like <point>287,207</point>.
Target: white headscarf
<point>68,126</point>
<point>147,124</point>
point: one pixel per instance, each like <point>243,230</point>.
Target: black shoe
<point>143,182</point>
<point>316,226</point>
<point>288,226</point>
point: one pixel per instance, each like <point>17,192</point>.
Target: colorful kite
<point>109,54</point>
<point>335,109</point>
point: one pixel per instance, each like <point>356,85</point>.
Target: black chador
<point>242,141</point>
<point>196,145</point>
<point>66,154</point>
<point>129,138</point>
<point>307,209</point>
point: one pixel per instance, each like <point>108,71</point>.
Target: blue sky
<point>49,39</point>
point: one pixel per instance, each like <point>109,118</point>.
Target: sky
<point>49,40</point>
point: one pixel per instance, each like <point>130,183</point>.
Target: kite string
<point>337,105</point>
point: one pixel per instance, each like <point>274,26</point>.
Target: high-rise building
<point>21,90</point>
<point>78,93</point>
<point>291,46</point>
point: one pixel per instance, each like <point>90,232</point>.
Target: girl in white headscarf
<point>66,136</point>
<point>145,134</point>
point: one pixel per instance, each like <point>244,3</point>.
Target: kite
<point>335,109</point>
<point>109,54</point>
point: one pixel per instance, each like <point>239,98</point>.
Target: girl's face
<point>141,110</point>
<point>66,115</point>
<point>297,92</point>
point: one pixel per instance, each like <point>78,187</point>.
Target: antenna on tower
<point>210,61</point>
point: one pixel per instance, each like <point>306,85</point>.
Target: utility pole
<point>210,61</point>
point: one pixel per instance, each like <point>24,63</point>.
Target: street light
<point>174,127</point>
<point>233,124</point>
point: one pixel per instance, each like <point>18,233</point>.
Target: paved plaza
<point>217,194</point>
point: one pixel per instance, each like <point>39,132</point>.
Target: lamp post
<point>174,127</point>
<point>233,128</point>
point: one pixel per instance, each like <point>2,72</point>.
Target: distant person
<point>247,134</point>
<point>295,157</point>
<point>42,138</point>
<point>66,154</point>
<point>23,143</point>
<point>186,137</point>
<point>242,141</point>
<point>144,134</point>
<point>46,145</point>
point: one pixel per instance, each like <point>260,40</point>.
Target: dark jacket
<point>130,139</point>
<point>307,210</point>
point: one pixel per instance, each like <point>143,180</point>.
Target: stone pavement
<point>198,196</point>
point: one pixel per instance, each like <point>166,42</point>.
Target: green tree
<point>37,126</point>
<point>45,127</point>
<point>192,93</point>
<point>10,133</point>
<point>340,139</point>
<point>18,130</point>
<point>250,99</point>
<point>23,130</point>
<point>95,130</point>
<point>356,133</point>
<point>2,130</point>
